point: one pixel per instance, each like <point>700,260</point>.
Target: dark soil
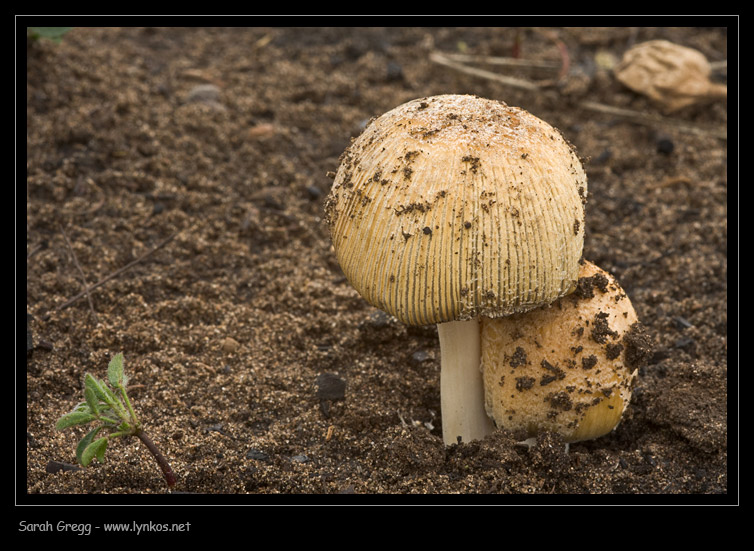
<point>255,366</point>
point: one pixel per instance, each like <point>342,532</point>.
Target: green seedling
<point>51,33</point>
<point>111,409</point>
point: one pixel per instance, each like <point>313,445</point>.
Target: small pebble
<point>262,130</point>
<point>687,344</point>
<point>377,320</point>
<point>393,72</point>
<point>257,455</point>
<point>58,466</point>
<point>665,145</point>
<point>229,345</point>
<point>330,387</point>
<point>603,157</point>
<point>682,323</point>
<point>313,192</point>
<point>204,93</point>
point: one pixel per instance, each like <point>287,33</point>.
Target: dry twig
<point>654,120</point>
<point>454,61</point>
<point>81,273</point>
<point>497,60</point>
<point>442,59</point>
<point>116,273</point>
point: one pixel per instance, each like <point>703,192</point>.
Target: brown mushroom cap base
<point>562,367</point>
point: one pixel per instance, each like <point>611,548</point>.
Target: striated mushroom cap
<point>454,206</point>
<point>566,368</point>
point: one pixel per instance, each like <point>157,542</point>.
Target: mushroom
<point>567,367</point>
<point>452,208</point>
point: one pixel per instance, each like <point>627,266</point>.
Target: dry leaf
<point>672,75</point>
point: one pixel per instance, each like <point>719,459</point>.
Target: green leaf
<point>74,418</point>
<point>82,406</point>
<point>105,394</point>
<point>91,395</point>
<point>115,370</point>
<point>52,33</point>
<point>85,442</point>
<point>95,449</point>
<point>98,386</point>
<point>110,413</point>
<point>109,394</point>
<point>100,450</point>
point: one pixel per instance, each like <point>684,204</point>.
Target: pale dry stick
<point>634,116</point>
<point>673,180</point>
<point>497,60</point>
<point>262,42</point>
<point>35,250</point>
<point>437,57</point>
<point>653,120</point>
<point>563,67</point>
<point>81,273</point>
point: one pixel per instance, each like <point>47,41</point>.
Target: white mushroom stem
<point>461,383</point>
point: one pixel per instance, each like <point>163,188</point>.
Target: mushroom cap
<point>565,367</point>
<point>454,206</point>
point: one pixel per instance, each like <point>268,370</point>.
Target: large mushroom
<point>452,208</point>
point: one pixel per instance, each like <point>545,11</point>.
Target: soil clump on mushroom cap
<point>227,328</point>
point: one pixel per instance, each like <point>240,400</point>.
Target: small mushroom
<point>563,368</point>
<point>452,208</point>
